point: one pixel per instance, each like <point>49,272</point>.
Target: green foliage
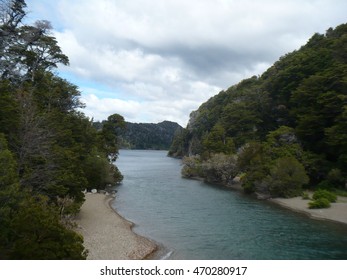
<point>109,132</point>
<point>149,136</point>
<point>340,192</point>
<point>217,142</point>
<point>283,142</point>
<point>286,178</point>
<point>44,237</point>
<point>296,109</point>
<point>179,145</point>
<point>250,155</point>
<point>9,118</point>
<point>319,203</point>
<point>253,160</point>
<point>49,151</point>
<point>191,167</point>
<point>336,178</point>
<point>220,168</point>
<point>99,172</point>
<point>272,167</point>
<point>8,166</point>
<point>322,199</point>
<point>318,194</point>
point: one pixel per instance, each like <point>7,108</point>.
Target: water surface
<point>195,220</point>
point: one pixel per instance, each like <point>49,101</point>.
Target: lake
<point>195,220</point>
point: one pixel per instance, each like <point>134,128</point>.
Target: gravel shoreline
<point>107,235</point>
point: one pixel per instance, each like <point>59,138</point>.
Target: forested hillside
<point>281,131</point>
<point>49,151</point>
<point>148,136</point>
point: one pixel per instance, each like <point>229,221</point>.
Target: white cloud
<point>101,108</point>
<point>155,107</point>
<point>164,58</point>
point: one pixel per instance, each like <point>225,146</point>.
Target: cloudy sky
<point>155,60</point>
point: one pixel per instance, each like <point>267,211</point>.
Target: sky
<point>156,60</point>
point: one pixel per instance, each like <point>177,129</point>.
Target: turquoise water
<point>195,220</point>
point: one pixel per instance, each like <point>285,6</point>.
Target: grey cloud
<point>181,50</point>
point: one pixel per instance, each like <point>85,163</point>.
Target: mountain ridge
<point>294,114</point>
<point>148,136</point>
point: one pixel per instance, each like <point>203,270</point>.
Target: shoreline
<point>337,213</point>
<point>107,235</point>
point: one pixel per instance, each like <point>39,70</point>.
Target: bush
<point>286,178</point>
<point>305,196</point>
<point>336,178</point>
<point>331,197</point>
<point>319,203</point>
<point>192,167</point>
<point>220,168</point>
<point>340,192</point>
<point>325,185</point>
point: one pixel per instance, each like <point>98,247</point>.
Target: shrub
<point>319,203</point>
<point>331,197</point>
<point>220,168</point>
<point>191,167</point>
<point>287,177</point>
<point>305,196</point>
<point>325,185</point>
<point>336,178</point>
<point>340,192</point>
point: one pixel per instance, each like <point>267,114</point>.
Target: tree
<point>337,139</point>
<point>8,166</point>
<point>217,141</point>
<point>255,162</point>
<point>191,167</point>
<point>220,168</point>
<point>109,132</point>
<point>179,145</point>
<point>9,194</point>
<point>38,50</point>
<point>25,49</point>
<point>44,237</point>
<point>283,142</point>
<point>12,13</point>
<point>286,178</point>
<point>49,151</point>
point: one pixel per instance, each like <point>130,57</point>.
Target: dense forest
<point>148,136</point>
<point>49,151</point>
<point>279,132</point>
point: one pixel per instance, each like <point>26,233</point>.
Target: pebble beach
<point>107,235</point>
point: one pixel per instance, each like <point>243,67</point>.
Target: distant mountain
<point>148,136</point>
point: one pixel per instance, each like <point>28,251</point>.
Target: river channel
<point>195,220</point>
